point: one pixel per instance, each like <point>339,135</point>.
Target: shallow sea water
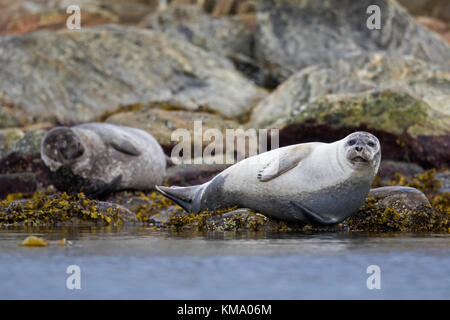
<point>139,263</point>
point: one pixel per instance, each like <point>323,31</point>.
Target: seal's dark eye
<point>351,142</point>
<point>371,144</point>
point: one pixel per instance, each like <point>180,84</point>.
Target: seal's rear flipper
<point>313,217</point>
<point>183,196</point>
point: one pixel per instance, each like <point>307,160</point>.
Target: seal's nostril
<point>359,149</point>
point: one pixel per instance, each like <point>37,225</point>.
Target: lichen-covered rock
<point>409,129</point>
<point>425,82</point>
<point>21,152</point>
<point>8,139</point>
<point>161,122</point>
<point>292,35</point>
<point>70,77</point>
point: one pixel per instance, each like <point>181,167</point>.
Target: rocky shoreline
<point>387,209</point>
<point>256,66</point>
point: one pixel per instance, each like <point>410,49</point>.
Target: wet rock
<point>47,209</point>
<point>404,101</point>
<point>17,183</point>
<point>292,35</point>
<point>399,198</point>
<point>110,209</point>
<point>149,207</point>
<point>86,80</point>
<point>398,209</point>
<point>444,178</point>
<point>239,219</point>
<point>388,168</point>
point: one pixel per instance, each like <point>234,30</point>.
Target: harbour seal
<point>315,183</point>
<point>99,158</point>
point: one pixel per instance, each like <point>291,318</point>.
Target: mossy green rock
<point>389,111</point>
<point>425,83</point>
<point>21,153</point>
<point>404,101</point>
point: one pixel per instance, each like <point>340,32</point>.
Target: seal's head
<point>61,146</point>
<point>362,150</point>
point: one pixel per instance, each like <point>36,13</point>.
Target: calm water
<point>143,264</point>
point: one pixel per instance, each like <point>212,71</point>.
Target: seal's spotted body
<point>98,158</point>
<point>319,183</point>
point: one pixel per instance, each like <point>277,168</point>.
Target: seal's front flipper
<point>313,217</point>
<point>125,146</point>
<point>283,161</point>
<point>107,188</point>
<point>183,196</point>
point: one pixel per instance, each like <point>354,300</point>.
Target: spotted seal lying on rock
<point>315,183</point>
<point>99,158</point>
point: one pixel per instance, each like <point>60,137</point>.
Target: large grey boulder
<point>78,76</point>
<point>294,34</point>
<point>424,81</point>
<point>228,35</point>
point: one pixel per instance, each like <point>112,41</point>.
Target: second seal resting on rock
<point>316,183</point>
<point>99,158</point>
